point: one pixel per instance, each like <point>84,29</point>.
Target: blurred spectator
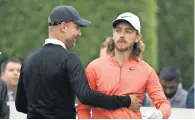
<point>10,74</point>
<point>4,109</point>
<point>171,82</point>
<point>190,98</point>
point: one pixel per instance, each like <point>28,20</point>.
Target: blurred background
<point>167,28</point>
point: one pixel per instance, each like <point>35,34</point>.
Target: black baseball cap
<point>64,13</point>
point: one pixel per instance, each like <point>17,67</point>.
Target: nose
<point>79,32</point>
<point>16,72</point>
<point>167,91</point>
<point>122,35</point>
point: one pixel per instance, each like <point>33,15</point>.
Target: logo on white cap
<point>131,18</point>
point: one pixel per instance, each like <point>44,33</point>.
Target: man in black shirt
<point>52,76</point>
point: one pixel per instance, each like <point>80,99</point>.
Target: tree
<point>176,37</point>
<point>24,25</point>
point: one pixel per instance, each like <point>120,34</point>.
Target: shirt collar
<point>54,41</point>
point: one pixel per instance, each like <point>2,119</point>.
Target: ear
<point>138,38</point>
<point>64,27</point>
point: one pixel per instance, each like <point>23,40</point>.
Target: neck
<point>12,88</point>
<point>52,35</point>
<point>122,56</point>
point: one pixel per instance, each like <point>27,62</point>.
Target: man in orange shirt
<point>127,74</point>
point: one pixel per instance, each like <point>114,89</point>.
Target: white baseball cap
<point>130,18</point>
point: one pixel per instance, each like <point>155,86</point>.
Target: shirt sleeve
<point>84,110</point>
<point>21,99</point>
<point>155,92</point>
<point>87,96</point>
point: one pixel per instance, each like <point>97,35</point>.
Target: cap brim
<point>83,23</point>
<point>115,22</point>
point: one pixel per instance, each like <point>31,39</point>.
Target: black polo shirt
<point>49,80</point>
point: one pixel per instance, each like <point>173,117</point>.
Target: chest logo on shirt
<point>131,69</point>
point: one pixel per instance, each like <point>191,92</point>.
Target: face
<point>71,33</point>
<point>169,87</point>
<point>11,74</point>
<point>125,36</point>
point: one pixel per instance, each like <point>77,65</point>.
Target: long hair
<point>105,43</point>
<point>137,50</point>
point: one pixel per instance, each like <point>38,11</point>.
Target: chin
<point>121,48</point>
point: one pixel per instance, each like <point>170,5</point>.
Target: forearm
<point>95,99</point>
<point>161,102</point>
<point>156,93</point>
<point>165,108</point>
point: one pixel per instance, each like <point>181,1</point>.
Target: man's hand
<point>136,103</point>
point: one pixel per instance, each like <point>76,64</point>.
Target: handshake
<point>136,103</point>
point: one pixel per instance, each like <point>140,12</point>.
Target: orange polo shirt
<point>106,76</point>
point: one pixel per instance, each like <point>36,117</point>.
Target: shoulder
<point>146,66</point>
<point>185,92</point>
<point>98,62</point>
<point>96,66</point>
<point>73,60</point>
<point>2,83</point>
<point>48,50</point>
<point>191,88</point>
<point>191,91</point>
<point>181,93</point>
<point>72,56</point>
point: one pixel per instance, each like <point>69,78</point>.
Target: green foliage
<point>176,37</point>
<point>24,25</point>
<point>23,28</point>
